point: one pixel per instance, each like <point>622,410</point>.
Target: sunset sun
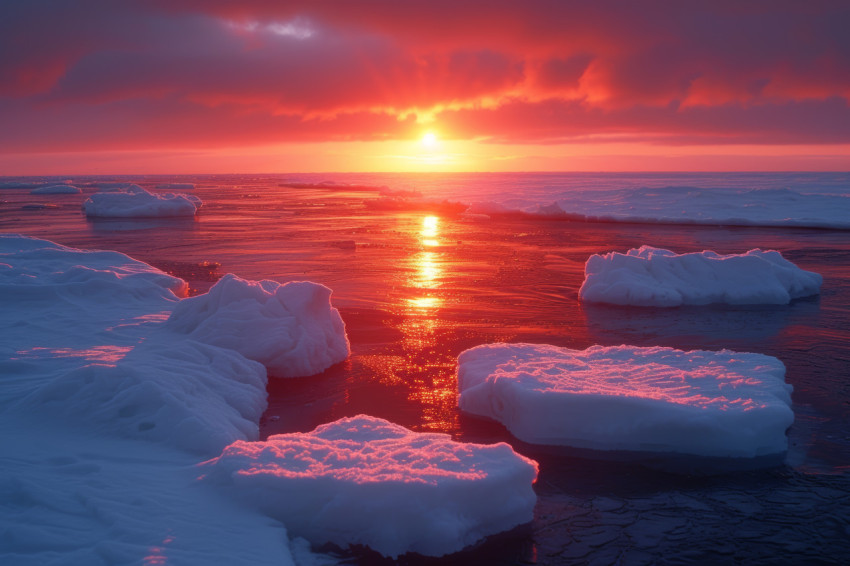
<point>429,139</point>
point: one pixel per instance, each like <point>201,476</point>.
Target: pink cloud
<point>187,73</point>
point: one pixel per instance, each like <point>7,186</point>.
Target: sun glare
<point>429,139</point>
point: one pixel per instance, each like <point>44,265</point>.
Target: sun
<point>429,139</point>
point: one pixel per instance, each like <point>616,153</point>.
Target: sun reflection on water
<point>428,369</point>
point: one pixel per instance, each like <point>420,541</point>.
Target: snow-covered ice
<point>719,404</point>
<point>132,201</point>
<point>56,190</point>
<point>654,277</point>
<point>291,329</point>
<point>363,480</point>
<point>685,205</point>
<point>104,412</point>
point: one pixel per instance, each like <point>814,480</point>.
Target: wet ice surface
<point>415,289</point>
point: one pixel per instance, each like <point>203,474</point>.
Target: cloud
<point>181,72</point>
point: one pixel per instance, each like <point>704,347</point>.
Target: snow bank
<point>654,277</point>
<point>104,413</point>
<point>95,277</point>
<point>56,190</point>
<point>133,201</point>
<point>291,329</point>
<point>723,403</point>
<point>363,480</point>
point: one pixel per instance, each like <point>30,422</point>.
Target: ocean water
<point>417,282</point>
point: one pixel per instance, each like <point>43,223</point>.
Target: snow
<point>654,277</point>
<point>115,389</point>
<point>718,404</point>
<point>56,190</point>
<point>363,480</point>
<point>133,201</point>
<point>104,413</point>
<point>683,205</point>
<point>291,329</point>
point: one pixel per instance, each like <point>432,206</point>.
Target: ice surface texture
<point>56,190</point>
<point>363,480</point>
<point>291,329</point>
<point>653,277</point>
<point>685,205</point>
<point>133,201</point>
<point>723,403</point>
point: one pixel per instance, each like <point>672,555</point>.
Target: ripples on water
<point>416,287</point>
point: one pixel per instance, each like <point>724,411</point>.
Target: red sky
<point>194,86</point>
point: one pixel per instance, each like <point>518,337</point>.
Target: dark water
<point>418,286</point>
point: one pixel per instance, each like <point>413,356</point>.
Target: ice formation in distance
<point>292,329</point>
<point>132,201</point>
<point>723,404</point>
<point>56,190</point>
<point>654,277</point>
<point>363,480</point>
<point>683,205</point>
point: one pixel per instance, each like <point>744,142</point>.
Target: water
<point>416,287</point>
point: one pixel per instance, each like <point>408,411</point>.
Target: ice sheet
<point>724,403</point>
<point>363,480</point>
<point>653,277</point>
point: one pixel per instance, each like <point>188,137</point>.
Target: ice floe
<point>56,190</point>
<point>654,277</point>
<point>132,201</point>
<point>363,480</point>
<point>684,205</point>
<point>723,404</point>
<point>291,329</point>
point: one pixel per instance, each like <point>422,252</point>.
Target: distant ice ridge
<point>719,404</point>
<point>363,480</point>
<point>177,186</point>
<point>132,201</point>
<point>654,277</point>
<point>56,190</point>
<point>291,329</point>
<point>689,205</point>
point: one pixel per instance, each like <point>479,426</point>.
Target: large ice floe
<point>653,277</point>
<point>718,404</point>
<point>113,389</point>
<point>291,329</point>
<point>363,480</point>
<point>132,201</point>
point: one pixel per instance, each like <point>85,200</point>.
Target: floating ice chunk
<point>363,480</point>
<point>291,329</point>
<point>133,201</point>
<point>56,190</point>
<point>654,277</point>
<point>723,403</point>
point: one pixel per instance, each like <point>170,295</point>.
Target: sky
<point>212,86</point>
